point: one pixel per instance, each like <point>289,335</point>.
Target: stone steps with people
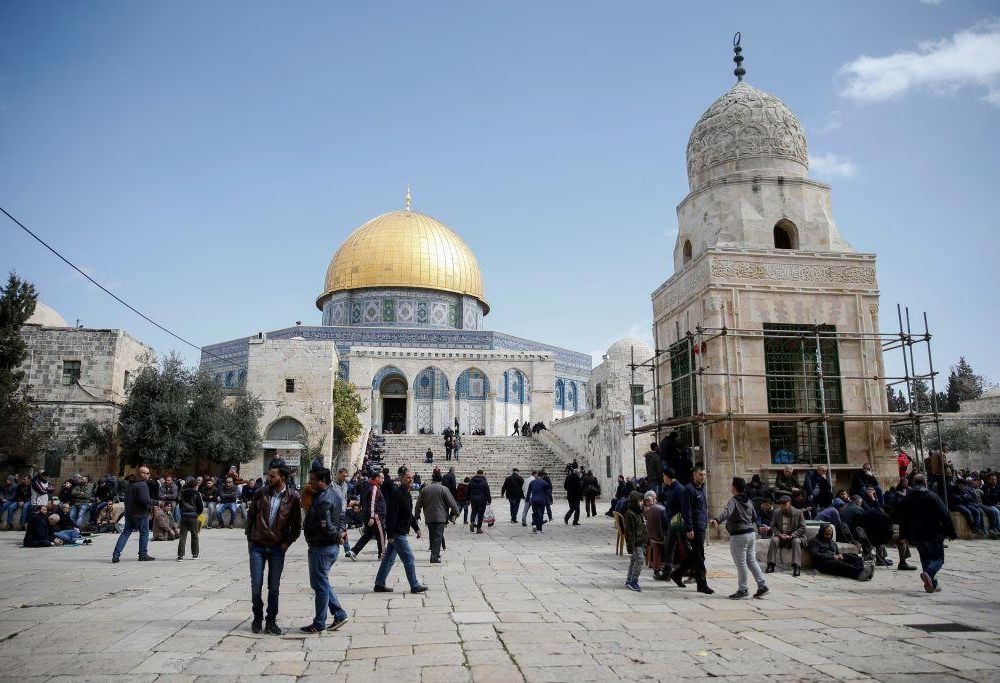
<point>495,455</point>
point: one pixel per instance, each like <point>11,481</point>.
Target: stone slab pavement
<point>507,605</point>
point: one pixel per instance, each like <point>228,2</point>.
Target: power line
<point>112,294</point>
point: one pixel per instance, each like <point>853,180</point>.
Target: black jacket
<point>37,532</point>
<point>399,516</point>
<point>924,517</point>
<point>479,490</point>
<point>449,482</point>
<point>574,487</point>
<point>513,487</point>
<point>137,499</point>
<point>325,522</point>
<point>190,503</point>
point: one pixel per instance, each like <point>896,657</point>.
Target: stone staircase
<point>494,455</point>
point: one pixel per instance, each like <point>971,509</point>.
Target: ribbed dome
<point>405,249</point>
<point>746,125</point>
<point>46,316</point>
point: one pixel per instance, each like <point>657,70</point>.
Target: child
<point>636,539</point>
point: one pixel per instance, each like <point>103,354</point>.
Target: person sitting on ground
<point>788,530</point>
<point>39,532</point>
<point>827,558</point>
<point>878,531</point>
<point>162,525</point>
<point>786,483</point>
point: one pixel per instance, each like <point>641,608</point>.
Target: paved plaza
<point>504,606</point>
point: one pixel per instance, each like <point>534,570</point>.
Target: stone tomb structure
<point>402,311</point>
<point>758,253</point>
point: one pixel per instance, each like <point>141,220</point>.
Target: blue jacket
<point>671,497</point>
<point>540,492</point>
<point>694,508</point>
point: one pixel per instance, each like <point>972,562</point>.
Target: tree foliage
<point>23,429</point>
<point>347,405</point>
<point>174,416</point>
<point>963,385</point>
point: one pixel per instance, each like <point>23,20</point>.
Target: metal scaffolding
<point>803,382</point>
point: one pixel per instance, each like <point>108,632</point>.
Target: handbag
<point>489,517</point>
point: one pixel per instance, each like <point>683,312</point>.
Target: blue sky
<point>205,160</point>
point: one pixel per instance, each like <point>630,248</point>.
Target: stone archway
<point>393,394</point>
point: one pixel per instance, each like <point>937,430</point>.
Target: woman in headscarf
<point>828,559</point>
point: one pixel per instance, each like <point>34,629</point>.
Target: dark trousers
<point>188,526</point>
<point>931,557</point>
<point>478,510</point>
<point>695,561</point>
<point>669,549</point>
<point>849,567</point>
<point>591,506</point>
<point>537,515</point>
<point>574,510</point>
<point>515,503</point>
<point>465,511</point>
<point>372,531</point>
<point>274,558</point>
<point>435,530</point>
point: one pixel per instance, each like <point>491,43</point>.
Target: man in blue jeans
<point>137,504</point>
<point>274,521</point>
<point>324,527</point>
<point>398,522</point>
<point>924,521</point>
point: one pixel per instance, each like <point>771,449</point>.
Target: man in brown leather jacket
<point>274,521</point>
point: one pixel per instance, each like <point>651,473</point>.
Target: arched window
<point>286,429</point>
<point>687,251</point>
<point>597,396</point>
<point>785,235</point>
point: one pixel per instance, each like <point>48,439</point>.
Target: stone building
<point>759,255</point>
<point>403,308</point>
<point>619,399</point>
<point>76,374</point>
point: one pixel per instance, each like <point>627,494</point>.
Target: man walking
<point>739,518</point>
<point>924,521</point>
<point>574,494</point>
<point>694,512</point>
<point>373,505</point>
<point>479,498</point>
<point>527,499</point>
<point>191,506</point>
<point>512,490</point>
<point>540,496</point>
<point>435,502</point>
<point>137,508</point>
<point>398,522</point>
<point>591,490</point>
<point>342,487</point>
<point>274,522</point>
<point>324,528</point>
<point>517,428</point>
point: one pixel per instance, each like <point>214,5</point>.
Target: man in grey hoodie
<point>739,516</point>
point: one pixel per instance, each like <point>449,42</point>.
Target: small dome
<point>746,130</point>
<point>46,316</point>
<point>623,349</point>
<point>405,249</point>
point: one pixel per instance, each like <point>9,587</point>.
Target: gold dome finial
<point>408,197</point>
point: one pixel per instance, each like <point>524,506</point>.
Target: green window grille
<point>793,387</point>
<point>638,395</point>
<point>684,389</point>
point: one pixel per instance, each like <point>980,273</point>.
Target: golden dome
<point>405,249</point>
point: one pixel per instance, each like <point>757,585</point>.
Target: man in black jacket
<point>924,521</point>
<point>325,528</point>
<point>398,522</point>
<point>513,491</point>
<point>137,506</point>
<point>574,494</point>
<point>479,498</point>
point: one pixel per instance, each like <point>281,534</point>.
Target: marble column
<point>411,409</point>
<point>376,411</point>
<point>491,417</point>
<point>450,395</point>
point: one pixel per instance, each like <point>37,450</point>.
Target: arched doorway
<point>471,390</point>
<point>391,385</point>
<point>284,439</point>
<point>430,398</point>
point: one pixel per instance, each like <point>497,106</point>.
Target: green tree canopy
<point>347,405</point>
<point>963,385</point>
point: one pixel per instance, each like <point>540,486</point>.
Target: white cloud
<point>833,121</point>
<point>968,58</point>
<point>832,165</point>
<point>932,2</point>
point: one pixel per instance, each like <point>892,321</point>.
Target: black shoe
<point>435,560</point>
<point>146,558</point>
<point>566,521</point>
<point>382,589</point>
<point>795,570</point>
<point>524,524</point>
<point>903,567</point>
<point>115,560</point>
<point>706,590</point>
<point>761,592</point>
<point>311,628</point>
<point>576,524</point>
<point>770,568</point>
<point>740,594</point>
<point>419,589</point>
<point>337,623</point>
<point>676,578</point>
<point>257,625</point>
<point>272,628</point>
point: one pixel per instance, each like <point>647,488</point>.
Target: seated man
<point>800,502</point>
<point>39,530</point>
<point>764,513</point>
<point>863,479</point>
<point>786,483</point>
<point>656,556</point>
<point>990,512</point>
<point>961,500</point>
<point>828,559</point>
<point>228,496</point>
<point>788,530</point>
<point>818,487</point>
<point>162,524</point>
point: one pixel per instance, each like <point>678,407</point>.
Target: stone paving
<point>504,606</point>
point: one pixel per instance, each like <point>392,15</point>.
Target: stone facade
<point>311,367</point>
<point>75,375</point>
<point>982,413</point>
<point>421,308</point>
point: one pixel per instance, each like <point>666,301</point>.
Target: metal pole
<point>913,366</point>
<point>822,404</point>
<point>729,391</point>
<point>934,407</point>
<point>632,407</point>
<point>656,380</point>
<point>914,425</point>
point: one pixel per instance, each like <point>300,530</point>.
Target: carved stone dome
<point>46,316</point>
<point>746,132</point>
